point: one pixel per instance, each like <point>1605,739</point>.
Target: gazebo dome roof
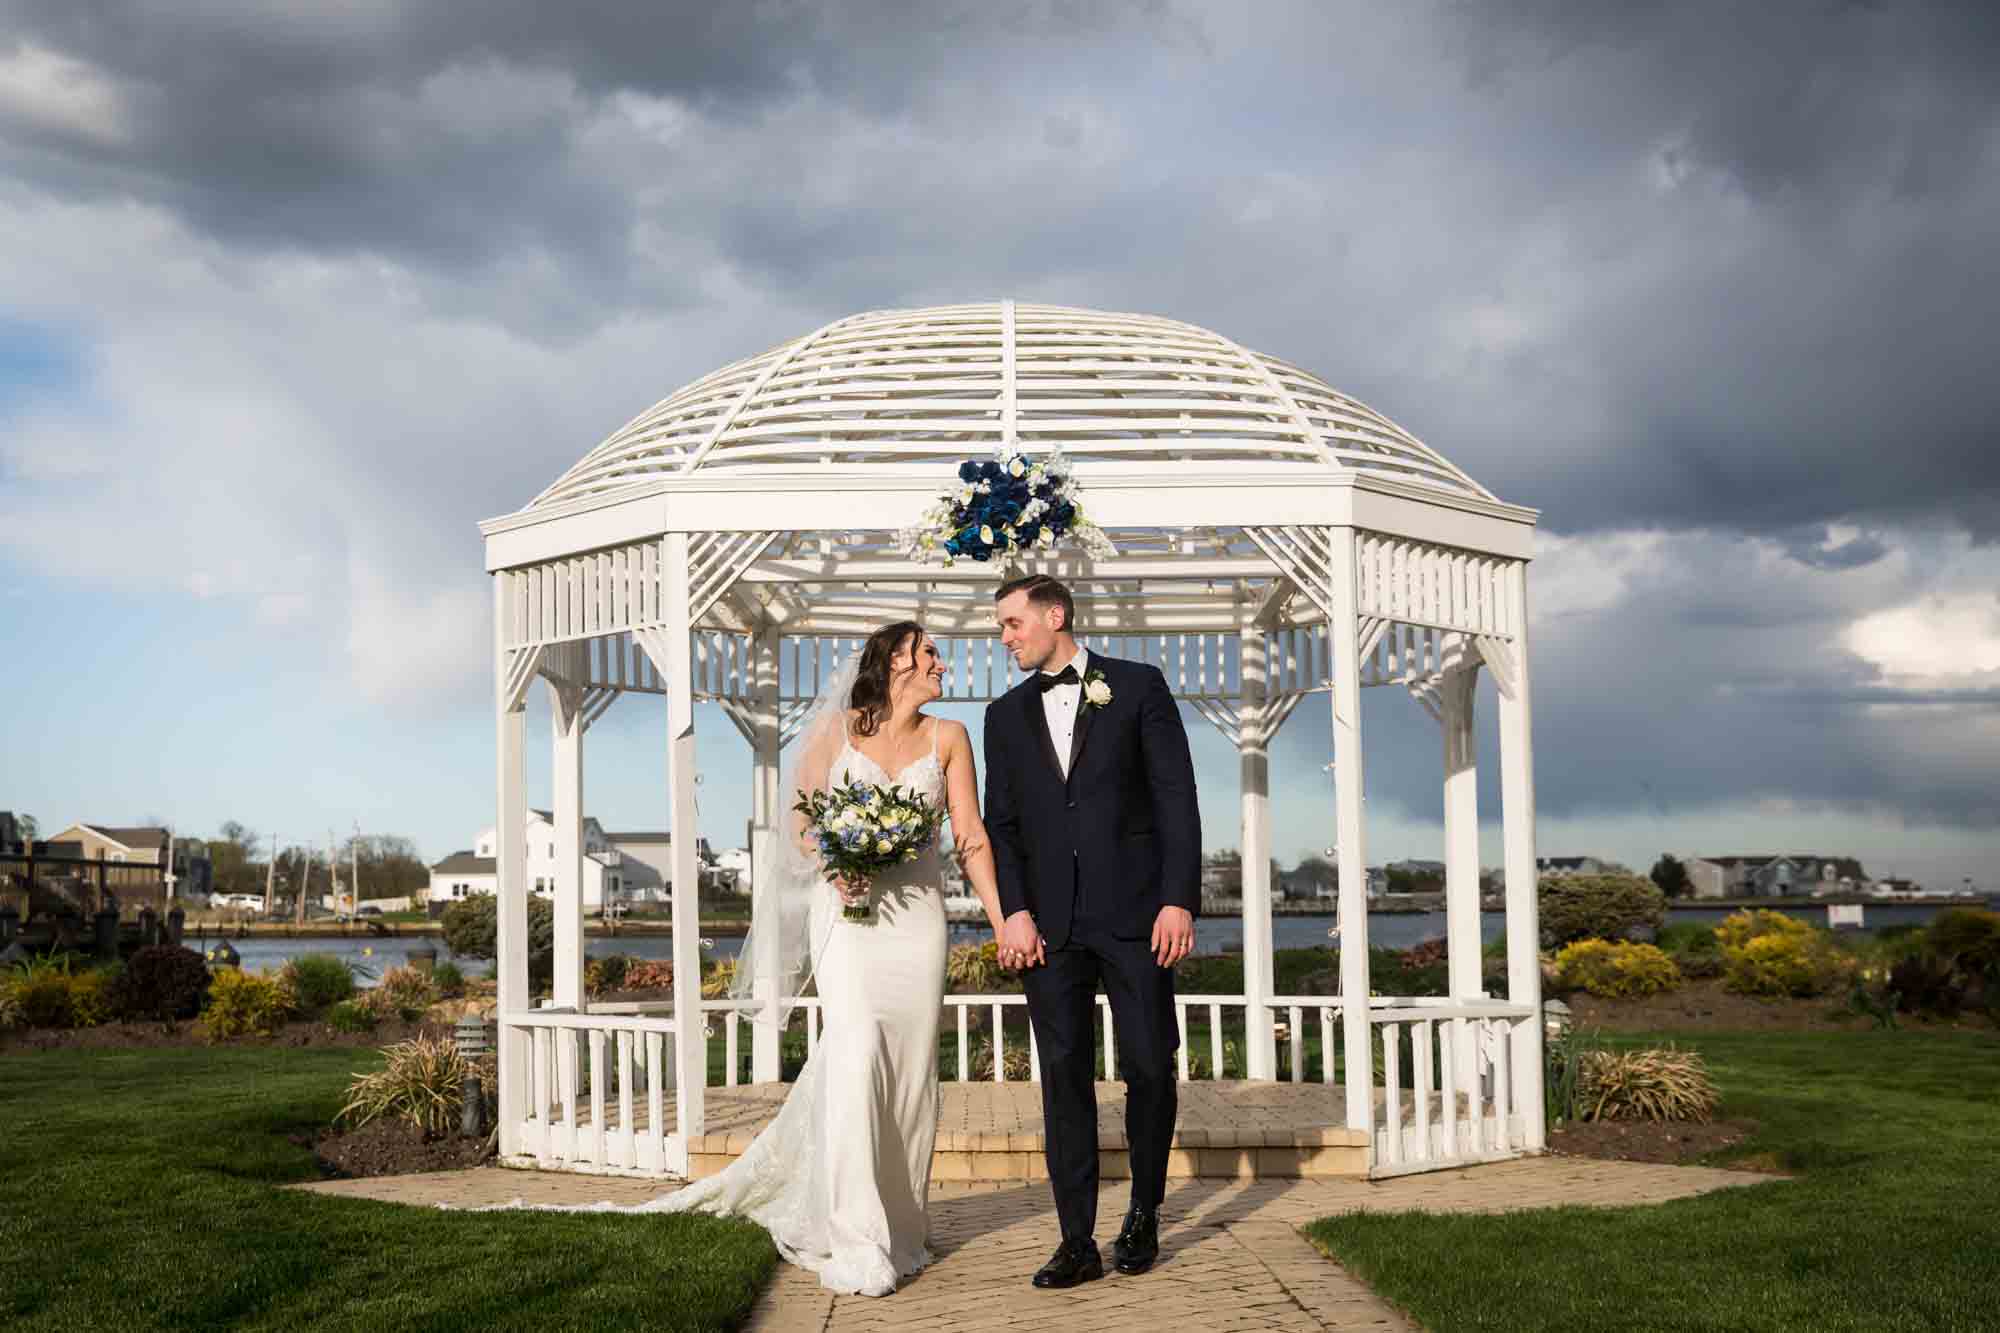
<point>901,387</point>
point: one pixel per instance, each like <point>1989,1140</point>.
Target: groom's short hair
<point>1044,592</point>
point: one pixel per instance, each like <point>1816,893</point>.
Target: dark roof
<point>465,863</point>
<point>150,838</point>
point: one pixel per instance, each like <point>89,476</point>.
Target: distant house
<point>617,867</point>
<point>194,874</point>
<point>1772,874</point>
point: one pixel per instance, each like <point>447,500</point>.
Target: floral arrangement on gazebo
<point>1003,505</point>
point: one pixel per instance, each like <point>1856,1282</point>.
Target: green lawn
<point>1891,1223</point>
<point>138,1189</point>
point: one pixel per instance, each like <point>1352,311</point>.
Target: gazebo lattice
<point>1275,539</point>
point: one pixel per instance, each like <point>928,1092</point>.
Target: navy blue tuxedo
<point>1121,837</point>
<point>1094,857</point>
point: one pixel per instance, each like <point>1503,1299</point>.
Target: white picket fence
<point>1451,1075</point>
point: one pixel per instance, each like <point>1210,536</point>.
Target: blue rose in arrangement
<point>1003,505</point>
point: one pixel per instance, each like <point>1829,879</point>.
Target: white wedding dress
<point>840,1177</point>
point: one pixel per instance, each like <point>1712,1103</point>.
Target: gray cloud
<point>1705,272</point>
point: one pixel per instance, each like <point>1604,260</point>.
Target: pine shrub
<point>1598,907</point>
<point>320,980</point>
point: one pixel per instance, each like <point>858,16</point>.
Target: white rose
<point>1015,469</point>
<point>884,846</point>
<point>986,534</point>
<point>1098,693</point>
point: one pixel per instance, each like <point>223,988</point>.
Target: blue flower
<point>968,471</point>
<point>989,471</point>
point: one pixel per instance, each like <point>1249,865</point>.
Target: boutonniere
<point>1096,690</point>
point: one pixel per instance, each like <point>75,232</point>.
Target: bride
<point>840,1178</point>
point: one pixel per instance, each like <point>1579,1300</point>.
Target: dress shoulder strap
<point>936,725</point>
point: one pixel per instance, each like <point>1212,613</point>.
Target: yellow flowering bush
<point>1786,965</point>
<point>243,1003</point>
<point>1739,928</point>
<point>1615,970</point>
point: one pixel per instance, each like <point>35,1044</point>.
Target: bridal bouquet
<point>862,829</point>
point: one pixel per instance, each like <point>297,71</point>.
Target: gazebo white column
<point>1456,692</point>
<point>1344,634</point>
<point>767,810</point>
<point>566,714</point>
<point>1517,802</point>
<point>691,1051</point>
<point>1253,750</point>
<point>510,889</point>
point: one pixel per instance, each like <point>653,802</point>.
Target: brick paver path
<point>1231,1255</point>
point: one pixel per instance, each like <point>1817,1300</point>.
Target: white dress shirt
<point>1059,706</point>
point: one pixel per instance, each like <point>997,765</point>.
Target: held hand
<point>1173,935</point>
<point>851,891</point>
<point>1020,942</point>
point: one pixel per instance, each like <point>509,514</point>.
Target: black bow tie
<point>1067,676</point>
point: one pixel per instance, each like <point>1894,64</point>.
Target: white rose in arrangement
<point>1016,468</point>
<point>986,533</point>
<point>1098,693</point>
<point>884,846</point>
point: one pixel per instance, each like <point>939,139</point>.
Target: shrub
<point>1968,938</point>
<point>606,974</point>
<point>472,930</point>
<point>1739,928</point>
<point>717,978</point>
<point>1018,1069</point>
<point>241,1003</point>
<point>450,982</point>
<point>93,999</point>
<point>46,994</point>
<point>319,980</point>
<point>422,1083</point>
<point>11,1016</point>
<point>403,992</point>
<point>1603,968</point>
<point>1657,1084</point>
<point>1429,953</point>
<point>974,969</point>
<point>351,1016</point>
<point>1598,907</point>
<point>1787,963</point>
<point>164,981</point>
<point>650,974</point>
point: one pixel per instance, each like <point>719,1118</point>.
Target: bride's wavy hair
<point>874,675</point>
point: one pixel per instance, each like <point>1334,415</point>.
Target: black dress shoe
<point>1138,1243</point>
<point>1074,1261</point>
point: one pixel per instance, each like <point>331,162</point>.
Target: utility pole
<point>170,865</point>
<point>271,875</point>
<point>354,868</point>
<point>305,881</point>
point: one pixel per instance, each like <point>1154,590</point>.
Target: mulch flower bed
<point>1705,1005</point>
<point>1673,1142</point>
<point>391,1148</point>
<point>148,1035</point>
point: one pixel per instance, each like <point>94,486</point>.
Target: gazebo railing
<point>1443,1069</point>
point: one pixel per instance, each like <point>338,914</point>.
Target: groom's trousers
<point>1062,1004</point>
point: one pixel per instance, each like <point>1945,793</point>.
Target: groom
<point>1090,805</point>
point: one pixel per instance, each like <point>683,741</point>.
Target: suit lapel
<point>1084,714</point>
<point>1038,722</point>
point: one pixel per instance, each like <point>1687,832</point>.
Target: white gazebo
<point>1275,540</point>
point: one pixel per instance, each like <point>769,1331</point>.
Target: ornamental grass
<point>1663,1083</point>
<point>422,1084</point>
